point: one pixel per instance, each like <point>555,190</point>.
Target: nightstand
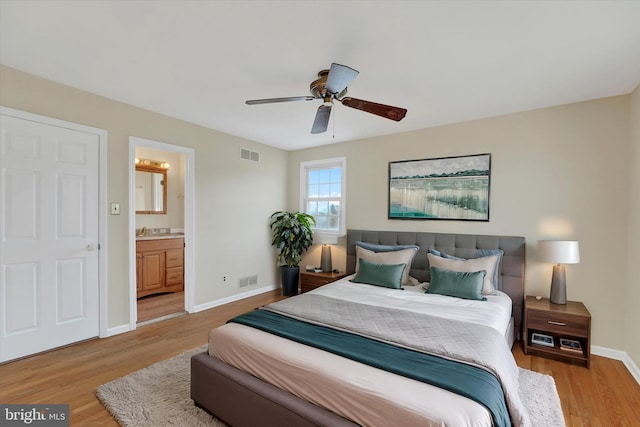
<point>570,323</point>
<point>310,280</point>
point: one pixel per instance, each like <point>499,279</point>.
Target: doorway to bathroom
<point>161,183</point>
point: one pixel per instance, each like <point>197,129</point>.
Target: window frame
<point>305,167</point>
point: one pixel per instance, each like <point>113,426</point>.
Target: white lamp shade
<point>559,251</point>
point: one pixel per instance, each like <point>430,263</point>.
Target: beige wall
<point>556,173</point>
<point>564,172</point>
<point>233,198</point>
<point>632,329</point>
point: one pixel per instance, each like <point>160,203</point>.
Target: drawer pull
<point>551,322</point>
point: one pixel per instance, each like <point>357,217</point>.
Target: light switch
<point>115,208</point>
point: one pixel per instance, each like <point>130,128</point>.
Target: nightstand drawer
<point>316,280</point>
<point>558,323</point>
<point>310,280</point>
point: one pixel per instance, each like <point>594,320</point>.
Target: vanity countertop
<point>161,236</point>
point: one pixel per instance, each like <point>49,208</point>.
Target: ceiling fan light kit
<point>332,84</point>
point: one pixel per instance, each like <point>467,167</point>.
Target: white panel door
<point>49,288</point>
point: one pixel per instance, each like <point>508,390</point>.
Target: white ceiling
<point>445,61</point>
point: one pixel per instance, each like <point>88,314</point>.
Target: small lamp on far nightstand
<point>326,240</point>
<point>559,252</point>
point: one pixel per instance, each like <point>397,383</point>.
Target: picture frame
<point>542,339</point>
<point>570,345</point>
<point>443,188</point>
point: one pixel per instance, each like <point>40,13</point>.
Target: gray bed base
<point>242,400</point>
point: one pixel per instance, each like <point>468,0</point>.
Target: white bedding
<point>495,312</point>
<point>366,395</point>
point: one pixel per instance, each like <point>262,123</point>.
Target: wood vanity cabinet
<point>159,266</point>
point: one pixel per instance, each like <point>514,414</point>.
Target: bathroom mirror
<point>151,190</point>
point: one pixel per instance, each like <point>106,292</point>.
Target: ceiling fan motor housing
<point>319,90</point>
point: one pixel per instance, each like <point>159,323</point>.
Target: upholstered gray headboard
<point>463,245</point>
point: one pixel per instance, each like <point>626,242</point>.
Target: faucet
<point>143,231</point>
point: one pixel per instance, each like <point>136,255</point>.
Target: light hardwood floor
<point>157,306</point>
<point>605,395</point>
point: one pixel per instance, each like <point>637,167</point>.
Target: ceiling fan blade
<point>321,122</point>
<point>273,100</point>
<point>339,78</point>
<point>387,111</point>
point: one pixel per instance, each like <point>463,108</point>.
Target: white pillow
<point>487,263</point>
<point>404,256</point>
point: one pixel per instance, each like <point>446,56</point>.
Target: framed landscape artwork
<point>453,188</point>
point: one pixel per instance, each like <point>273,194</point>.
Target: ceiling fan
<point>332,85</point>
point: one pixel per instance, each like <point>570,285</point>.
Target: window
<point>322,193</point>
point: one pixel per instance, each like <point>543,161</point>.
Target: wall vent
<point>248,281</point>
<point>252,156</point>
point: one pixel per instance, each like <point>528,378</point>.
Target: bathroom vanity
<point>159,264</point>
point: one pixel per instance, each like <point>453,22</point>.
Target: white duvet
<point>495,312</point>
<point>366,395</point>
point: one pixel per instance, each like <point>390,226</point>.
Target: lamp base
<point>325,259</point>
<point>558,285</point>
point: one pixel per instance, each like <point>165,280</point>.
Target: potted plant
<point>292,235</point>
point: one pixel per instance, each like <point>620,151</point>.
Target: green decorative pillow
<point>404,256</point>
<point>387,275</point>
<point>487,263</point>
<point>479,253</point>
<point>461,284</point>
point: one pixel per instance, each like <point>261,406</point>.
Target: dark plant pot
<point>289,277</point>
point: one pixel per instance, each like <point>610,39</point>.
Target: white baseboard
<point>126,327</point>
<point>618,355</point>
<point>233,298</point>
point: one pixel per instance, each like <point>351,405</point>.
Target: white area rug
<point>540,397</point>
<point>158,396</point>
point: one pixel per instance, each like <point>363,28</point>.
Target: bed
<point>252,376</point>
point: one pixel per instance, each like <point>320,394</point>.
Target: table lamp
<point>559,252</point>
<point>326,240</point>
